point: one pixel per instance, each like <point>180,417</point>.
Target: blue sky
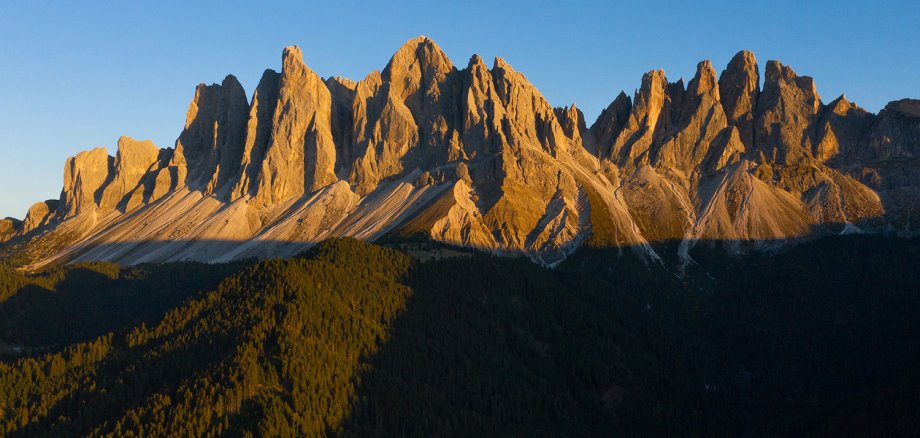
<point>75,75</point>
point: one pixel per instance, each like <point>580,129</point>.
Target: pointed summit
<point>300,156</point>
<point>634,141</point>
<point>704,82</point>
<point>841,105</point>
<point>291,56</point>
<point>739,87</point>
<point>785,112</point>
<point>776,71</point>
<point>572,121</point>
<point>608,125</point>
<point>419,63</point>
<point>213,136</point>
<point>477,61</point>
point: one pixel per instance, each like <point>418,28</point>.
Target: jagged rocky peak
<point>210,148</point>
<point>697,121</point>
<point>528,110</point>
<point>85,174</point>
<point>9,228</point>
<point>635,139</point>
<point>739,86</point>
<point>481,111</point>
<point>419,65</point>
<point>300,155</point>
<point>704,82</point>
<point>39,214</point>
<point>258,133</point>
<point>786,109</point>
<point>573,122</point>
<point>841,106</point>
<point>840,128</point>
<point>133,161</point>
<point>604,131</point>
<point>896,134</point>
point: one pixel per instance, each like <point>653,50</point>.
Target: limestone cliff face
<point>786,110</point>
<point>300,155</point>
<point>9,228</point>
<point>405,117</point>
<point>476,156</point>
<point>210,149</point>
<point>133,161</point>
<point>85,174</point>
<point>258,134</point>
<point>604,131</point>
<point>649,117</point>
<point>701,121</point>
<point>896,133</point>
<point>40,214</point>
<point>739,87</point>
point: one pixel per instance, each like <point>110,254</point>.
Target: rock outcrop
<point>9,228</point>
<point>209,151</point>
<point>85,174</point>
<point>133,161</point>
<point>478,157</point>
<point>785,114</point>
<point>39,215</point>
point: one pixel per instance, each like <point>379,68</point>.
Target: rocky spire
<point>417,70</point>
<point>739,86</point>
<point>785,112</point>
<point>343,92</point>
<point>258,133</point>
<point>132,161</point>
<point>482,111</point>
<point>84,176</point>
<point>608,125</point>
<point>572,121</point>
<point>300,157</point>
<point>637,135</point>
<point>839,129</point>
<point>701,121</point>
<point>210,148</point>
<point>528,110</point>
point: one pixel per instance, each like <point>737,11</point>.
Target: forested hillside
<point>358,339</point>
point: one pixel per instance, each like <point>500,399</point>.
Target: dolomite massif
<point>476,156</point>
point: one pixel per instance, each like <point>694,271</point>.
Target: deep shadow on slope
<point>819,339</point>
<point>501,347</point>
<point>282,334</point>
<point>78,303</point>
<point>815,339</point>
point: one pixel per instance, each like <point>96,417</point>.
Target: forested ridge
<point>357,339</point>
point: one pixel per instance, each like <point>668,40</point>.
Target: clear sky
<point>75,75</point>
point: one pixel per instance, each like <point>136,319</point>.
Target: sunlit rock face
<point>475,156</point>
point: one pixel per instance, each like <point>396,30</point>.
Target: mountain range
<point>477,157</point>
